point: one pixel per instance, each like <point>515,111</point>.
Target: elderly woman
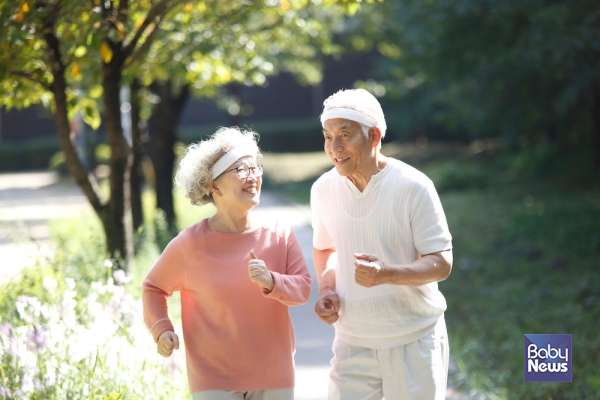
<point>237,274</point>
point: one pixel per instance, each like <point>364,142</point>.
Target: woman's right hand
<point>167,341</point>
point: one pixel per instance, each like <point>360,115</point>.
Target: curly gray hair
<point>194,167</point>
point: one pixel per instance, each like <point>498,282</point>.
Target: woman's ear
<point>214,189</point>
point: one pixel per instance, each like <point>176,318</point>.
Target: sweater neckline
<point>207,228</point>
<point>375,179</point>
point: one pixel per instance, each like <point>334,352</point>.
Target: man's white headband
<point>347,113</point>
<point>229,158</point>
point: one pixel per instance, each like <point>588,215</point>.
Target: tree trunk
<point>84,179</point>
<point>117,223</point>
<point>167,115</point>
<point>115,214</point>
<point>137,140</point>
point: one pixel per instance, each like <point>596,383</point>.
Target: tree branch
<point>51,19</point>
<point>31,78</point>
<point>123,10</point>
<point>157,11</point>
<point>145,46</point>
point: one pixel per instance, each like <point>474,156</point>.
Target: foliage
<point>61,342</point>
<point>75,55</point>
<point>520,70</point>
<point>525,237</point>
<point>209,44</point>
<point>24,155</point>
<point>524,255</point>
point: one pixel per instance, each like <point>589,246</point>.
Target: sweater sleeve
<point>321,238</point>
<point>428,222</point>
<point>165,277</point>
<point>293,287</point>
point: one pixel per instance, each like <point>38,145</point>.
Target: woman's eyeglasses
<point>244,171</point>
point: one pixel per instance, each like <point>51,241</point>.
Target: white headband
<point>347,113</point>
<point>229,158</point>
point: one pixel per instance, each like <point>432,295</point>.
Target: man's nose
<point>336,144</point>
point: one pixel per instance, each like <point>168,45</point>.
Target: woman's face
<point>233,190</point>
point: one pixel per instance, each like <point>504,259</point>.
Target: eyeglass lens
<point>244,172</point>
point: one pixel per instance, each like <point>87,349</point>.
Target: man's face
<point>347,146</point>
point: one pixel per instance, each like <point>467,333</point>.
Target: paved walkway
<point>29,200</point>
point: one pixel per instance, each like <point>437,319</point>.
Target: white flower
<point>70,283</point>
<point>27,384</point>
<point>49,283</point>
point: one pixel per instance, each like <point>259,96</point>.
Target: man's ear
<point>375,136</point>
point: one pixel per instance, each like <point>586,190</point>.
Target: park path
<point>28,201</point>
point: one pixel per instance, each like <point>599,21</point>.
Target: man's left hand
<point>369,270</point>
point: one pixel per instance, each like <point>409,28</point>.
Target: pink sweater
<point>236,337</point>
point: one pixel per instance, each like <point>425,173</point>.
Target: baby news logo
<point>548,358</point>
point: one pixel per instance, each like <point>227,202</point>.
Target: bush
<point>524,263</point>
<point>27,155</point>
<point>83,346</point>
<point>71,326</point>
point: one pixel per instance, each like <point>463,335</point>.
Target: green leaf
<point>80,51</point>
<point>91,116</point>
<point>96,91</point>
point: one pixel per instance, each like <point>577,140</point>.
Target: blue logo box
<point>548,358</point>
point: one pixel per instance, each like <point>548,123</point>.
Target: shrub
<point>84,346</point>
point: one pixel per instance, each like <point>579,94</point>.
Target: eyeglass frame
<point>248,169</point>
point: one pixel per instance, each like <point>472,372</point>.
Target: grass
<point>526,236</point>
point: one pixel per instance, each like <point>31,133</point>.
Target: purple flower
<point>38,385</point>
<point>37,339</point>
<point>49,381</point>
<point>5,392</point>
<point>120,277</point>
<point>5,330</point>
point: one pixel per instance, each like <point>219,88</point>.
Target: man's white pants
<point>414,371</point>
<point>266,394</point>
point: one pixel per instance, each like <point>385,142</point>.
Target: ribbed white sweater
<point>398,217</point>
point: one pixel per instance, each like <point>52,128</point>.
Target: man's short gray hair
<point>194,167</point>
<point>361,101</point>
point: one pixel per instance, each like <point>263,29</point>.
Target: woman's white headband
<point>347,113</point>
<point>229,158</point>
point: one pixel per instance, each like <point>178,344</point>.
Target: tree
<point>75,55</point>
<point>522,70</point>
<point>206,48</point>
<point>47,49</point>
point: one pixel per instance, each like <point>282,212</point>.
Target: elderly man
<point>381,243</point>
